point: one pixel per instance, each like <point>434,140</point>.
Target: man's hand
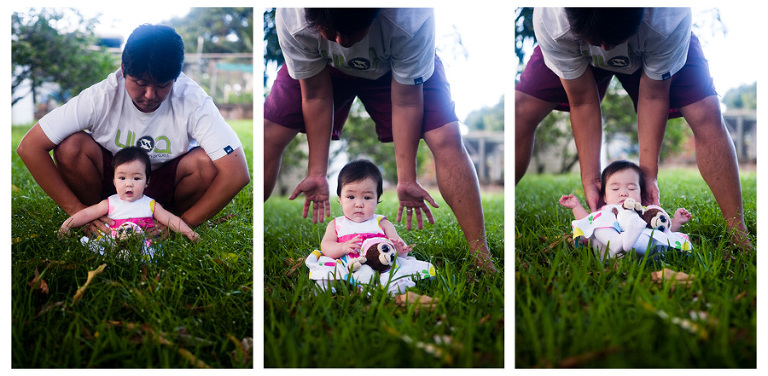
<point>315,189</point>
<point>592,195</point>
<point>651,192</point>
<point>159,231</point>
<point>412,197</point>
<point>98,227</point>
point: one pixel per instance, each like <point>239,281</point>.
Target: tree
<point>272,51</point>
<point>224,30</point>
<point>742,97</point>
<point>44,50</point>
<point>487,118</point>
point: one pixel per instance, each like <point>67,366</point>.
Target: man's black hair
<point>605,26</point>
<point>358,170</point>
<point>130,154</point>
<point>345,21</point>
<point>622,165</point>
<point>154,50</point>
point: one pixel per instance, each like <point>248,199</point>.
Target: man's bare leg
<point>276,138</point>
<point>529,112</point>
<point>80,161</point>
<point>718,164</point>
<point>457,181</point>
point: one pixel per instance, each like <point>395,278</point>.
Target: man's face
<point>146,94</point>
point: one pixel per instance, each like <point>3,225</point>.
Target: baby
<point>129,208</point>
<point>616,228</point>
<point>359,189</point>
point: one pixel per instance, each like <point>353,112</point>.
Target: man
<point>661,66</point>
<point>148,103</point>
<point>387,59</point>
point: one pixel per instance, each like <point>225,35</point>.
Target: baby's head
<point>132,169</point>
<point>621,180</point>
<point>359,189</point>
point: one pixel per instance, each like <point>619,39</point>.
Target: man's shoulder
<point>408,19</point>
<point>187,90</point>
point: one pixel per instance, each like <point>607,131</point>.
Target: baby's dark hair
<point>345,21</point>
<point>609,26</point>
<point>617,166</point>
<point>358,170</point>
<point>130,154</point>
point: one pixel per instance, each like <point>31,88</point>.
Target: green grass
<point>191,306</point>
<point>352,329</point>
<point>571,310</point>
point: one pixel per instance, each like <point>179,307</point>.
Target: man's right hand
<point>592,195</point>
<point>315,189</point>
<point>98,227</point>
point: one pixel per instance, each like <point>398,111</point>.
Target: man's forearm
<point>652,114</point>
<point>407,118</point>
<point>317,108</point>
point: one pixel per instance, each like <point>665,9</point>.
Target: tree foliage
<point>224,30</point>
<point>360,141</point>
<point>487,118</point>
<point>742,97</point>
<point>57,46</point>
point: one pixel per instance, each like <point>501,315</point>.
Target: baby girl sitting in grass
<point>359,189</point>
<point>129,207</point>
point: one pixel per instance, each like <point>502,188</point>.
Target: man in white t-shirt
<point>148,103</point>
<point>385,57</point>
<point>660,64</point>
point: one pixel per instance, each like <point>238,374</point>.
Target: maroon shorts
<point>283,104</point>
<point>162,182</point>
<point>689,85</point>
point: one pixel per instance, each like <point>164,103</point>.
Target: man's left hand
<point>412,197</point>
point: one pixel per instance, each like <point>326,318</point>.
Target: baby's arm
<point>174,223</point>
<point>681,217</point>
<point>84,216</point>
<point>571,202</point>
<point>331,247</point>
<point>391,234</point>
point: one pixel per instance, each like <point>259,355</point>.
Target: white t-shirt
<point>108,113</point>
<point>660,45</point>
<point>400,40</point>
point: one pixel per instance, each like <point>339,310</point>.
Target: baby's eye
<point>368,198</point>
<point>351,197</point>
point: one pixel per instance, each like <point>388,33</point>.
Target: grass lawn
<point>191,306</point>
<point>351,329</point>
<point>571,310</point>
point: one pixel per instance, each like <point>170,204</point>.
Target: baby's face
<point>130,180</point>
<point>358,200</point>
<point>622,185</point>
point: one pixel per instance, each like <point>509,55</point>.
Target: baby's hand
<point>569,201</point>
<point>351,246</point>
<point>682,216</point>
<point>402,248</point>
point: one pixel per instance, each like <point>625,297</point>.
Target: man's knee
<point>73,149</point>
<point>446,139</point>
<point>196,165</point>
<point>276,138</point>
